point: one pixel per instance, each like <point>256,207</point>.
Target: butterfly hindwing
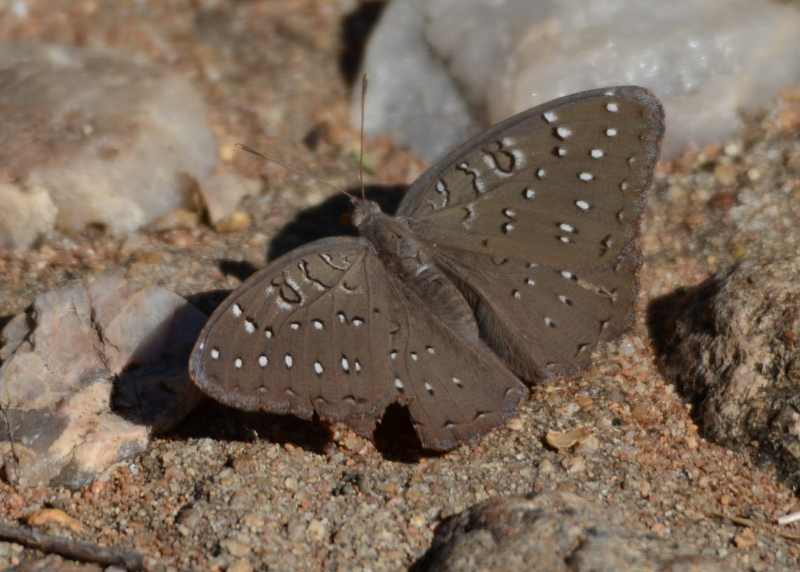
<point>326,329</point>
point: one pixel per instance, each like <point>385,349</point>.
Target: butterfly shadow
<point>213,420</point>
<point>331,218</point>
<point>394,436</point>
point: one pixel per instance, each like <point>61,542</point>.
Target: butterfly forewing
<point>326,329</point>
<point>297,337</point>
<point>537,218</point>
<point>562,183</point>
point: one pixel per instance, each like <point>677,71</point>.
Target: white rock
<point>705,60</point>
<point>410,91</point>
<point>25,215</point>
<point>111,141</point>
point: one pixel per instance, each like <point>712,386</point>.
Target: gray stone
<point>705,60</point>
<point>92,137</point>
<point>91,371</point>
<point>732,347</point>
<point>410,90</point>
<point>551,532</point>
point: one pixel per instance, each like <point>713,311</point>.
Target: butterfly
<point>507,262</point>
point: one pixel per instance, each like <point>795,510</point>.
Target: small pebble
<point>417,521</point>
<point>236,548</point>
<point>241,565</point>
<point>574,465</point>
<point>237,221</point>
<point>562,440</point>
<point>745,539</point>
<point>725,174</point>
<point>317,530</point>
<point>588,445</point>
<point>546,467</point>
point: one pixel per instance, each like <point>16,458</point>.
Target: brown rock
<point>101,367</point>
<point>732,346</point>
<point>558,532</point>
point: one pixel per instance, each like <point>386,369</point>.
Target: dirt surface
<point>246,492</point>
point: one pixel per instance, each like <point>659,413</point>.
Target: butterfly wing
<point>326,329</point>
<point>537,218</point>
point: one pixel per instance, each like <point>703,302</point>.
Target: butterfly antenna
<point>361,155</point>
<point>290,168</point>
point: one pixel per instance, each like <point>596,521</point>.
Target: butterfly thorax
<point>411,261</point>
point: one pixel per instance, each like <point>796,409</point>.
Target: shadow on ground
<point>662,314</point>
<point>331,218</point>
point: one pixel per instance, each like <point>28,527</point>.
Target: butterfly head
<point>363,210</point>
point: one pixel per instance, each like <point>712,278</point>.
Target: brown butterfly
<point>508,261</point>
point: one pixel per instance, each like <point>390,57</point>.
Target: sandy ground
<point>234,491</point>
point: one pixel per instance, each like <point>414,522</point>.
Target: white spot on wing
<point>563,133</point>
